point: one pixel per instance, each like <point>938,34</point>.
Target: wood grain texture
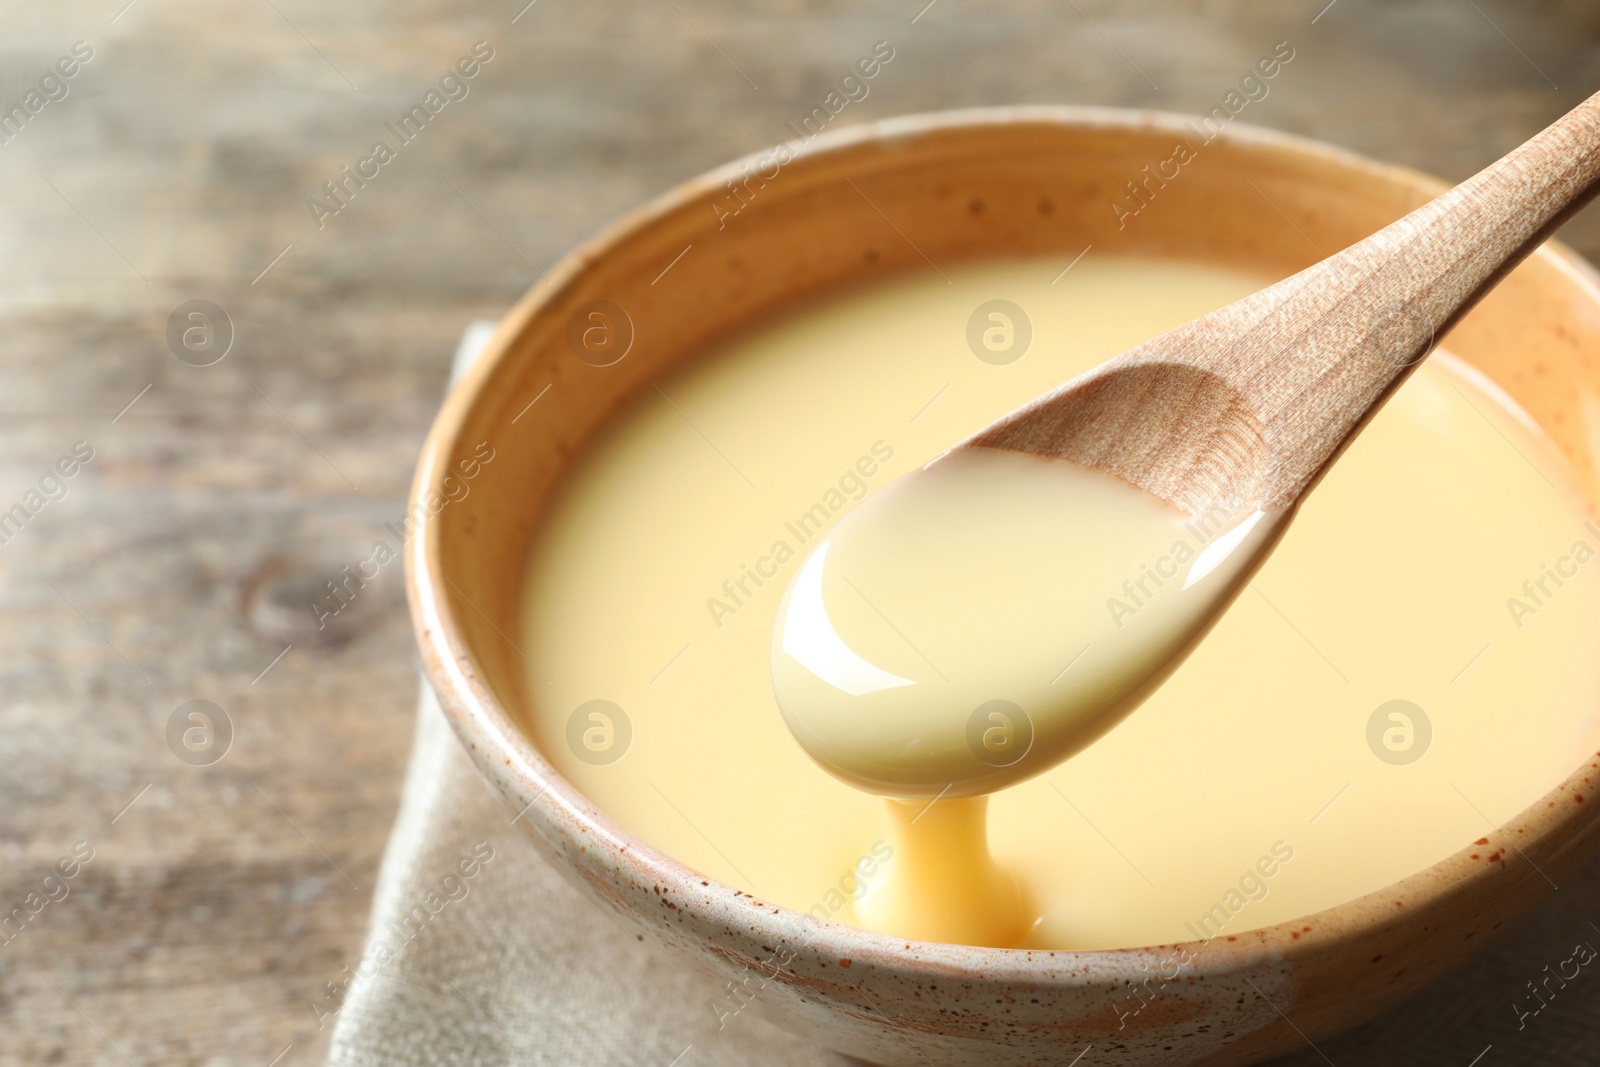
<point>178,167</point>
<point>1247,406</point>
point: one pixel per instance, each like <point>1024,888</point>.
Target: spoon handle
<point>1317,354</point>
<point>1249,405</point>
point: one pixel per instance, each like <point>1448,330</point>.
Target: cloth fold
<point>479,952</point>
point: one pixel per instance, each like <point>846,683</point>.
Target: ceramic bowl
<point>816,218</point>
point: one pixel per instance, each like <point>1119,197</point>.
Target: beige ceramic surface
<point>902,195</point>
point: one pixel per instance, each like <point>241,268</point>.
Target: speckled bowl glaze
<point>860,204</point>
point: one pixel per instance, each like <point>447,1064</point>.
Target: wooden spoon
<point>1256,400</point>
<point>1231,419</point>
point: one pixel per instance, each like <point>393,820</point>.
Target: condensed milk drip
<point>975,623</point>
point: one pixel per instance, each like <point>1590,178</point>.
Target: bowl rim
<point>509,760</point>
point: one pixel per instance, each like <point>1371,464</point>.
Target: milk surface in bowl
<point>1001,202</point>
<point>1250,790</point>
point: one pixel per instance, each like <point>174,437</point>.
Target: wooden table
<point>177,167</point>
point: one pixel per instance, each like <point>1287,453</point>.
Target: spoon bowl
<point>1237,414</point>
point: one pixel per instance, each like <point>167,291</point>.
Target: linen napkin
<point>479,953</point>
